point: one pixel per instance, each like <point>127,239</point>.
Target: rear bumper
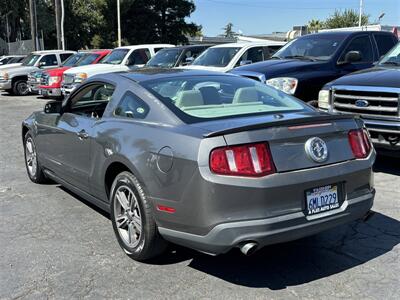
<point>226,236</point>
<point>5,85</point>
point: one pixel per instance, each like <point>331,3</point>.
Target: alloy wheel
<point>30,157</point>
<point>127,216</point>
<point>22,88</point>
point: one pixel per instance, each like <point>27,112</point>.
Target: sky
<point>267,16</point>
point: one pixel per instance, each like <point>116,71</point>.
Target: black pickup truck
<point>373,95</point>
<point>303,66</point>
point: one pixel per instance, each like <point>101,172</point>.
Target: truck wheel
<point>133,220</point>
<point>20,88</point>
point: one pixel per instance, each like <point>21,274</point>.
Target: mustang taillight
<point>359,143</point>
<point>253,160</point>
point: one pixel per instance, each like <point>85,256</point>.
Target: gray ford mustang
<point>207,160</point>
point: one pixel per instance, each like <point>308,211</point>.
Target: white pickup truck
<point>120,59</point>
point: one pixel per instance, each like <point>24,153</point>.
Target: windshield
<point>31,59</point>
<point>216,57</point>
<point>198,98</point>
<point>115,57</point>
<point>87,59</point>
<point>71,61</point>
<point>392,57</point>
<point>310,47</point>
<point>164,58</point>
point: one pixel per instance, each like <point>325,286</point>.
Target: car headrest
<point>210,95</point>
<point>189,98</point>
<point>246,94</point>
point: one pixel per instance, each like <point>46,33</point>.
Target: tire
<point>20,88</point>
<point>33,168</point>
<point>133,220</point>
<point>10,91</point>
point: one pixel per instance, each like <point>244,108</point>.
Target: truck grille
<point>68,79</point>
<point>380,103</point>
<point>45,79</point>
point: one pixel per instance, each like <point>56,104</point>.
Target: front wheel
<point>20,88</point>
<point>133,220</point>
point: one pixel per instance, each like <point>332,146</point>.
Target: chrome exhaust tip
<point>248,248</point>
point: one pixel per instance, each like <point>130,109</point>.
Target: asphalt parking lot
<point>55,245</point>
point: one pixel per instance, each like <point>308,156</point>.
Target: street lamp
<point>380,17</point>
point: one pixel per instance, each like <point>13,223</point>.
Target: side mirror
<point>53,107</point>
<point>245,62</point>
<point>352,56</point>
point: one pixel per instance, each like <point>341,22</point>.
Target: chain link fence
<point>19,47</point>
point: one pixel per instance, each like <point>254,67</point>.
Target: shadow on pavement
<point>289,264</point>
<point>279,266</point>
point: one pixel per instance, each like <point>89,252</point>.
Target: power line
<point>275,7</point>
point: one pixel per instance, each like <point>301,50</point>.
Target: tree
<point>228,31</point>
<point>347,18</point>
<point>315,25</point>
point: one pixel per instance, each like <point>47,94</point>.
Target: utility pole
<point>32,14</point>
<point>361,10</point>
<point>119,23</point>
<point>58,22</point>
<point>62,25</point>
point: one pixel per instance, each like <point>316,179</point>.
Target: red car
<point>51,79</point>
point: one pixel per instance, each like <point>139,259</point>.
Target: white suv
<point>225,57</point>
<point>120,59</point>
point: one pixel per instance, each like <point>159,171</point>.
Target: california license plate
<point>322,199</point>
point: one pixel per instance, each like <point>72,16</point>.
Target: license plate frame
<point>323,199</point>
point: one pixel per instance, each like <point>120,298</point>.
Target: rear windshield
<point>201,98</point>
<point>216,57</point>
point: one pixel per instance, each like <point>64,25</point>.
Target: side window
<point>157,49</point>
<point>131,106</point>
<point>48,60</point>
<point>92,101</point>
<point>254,54</point>
<point>139,57</point>
<point>363,45</point>
<point>273,49</point>
<point>64,56</point>
<point>384,43</point>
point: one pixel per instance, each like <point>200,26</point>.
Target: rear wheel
<point>20,88</point>
<point>35,172</point>
<point>133,220</point>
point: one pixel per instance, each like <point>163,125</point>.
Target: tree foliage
<point>339,19</point>
<point>228,31</point>
<point>347,18</point>
<point>93,23</point>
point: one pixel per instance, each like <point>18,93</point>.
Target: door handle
<point>82,134</point>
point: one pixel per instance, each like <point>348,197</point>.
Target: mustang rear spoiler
<point>280,123</point>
